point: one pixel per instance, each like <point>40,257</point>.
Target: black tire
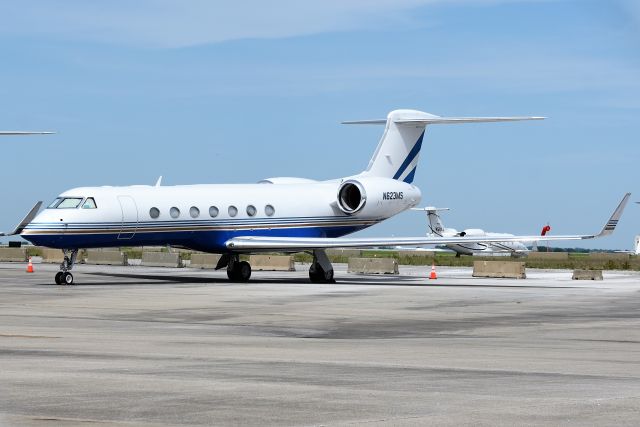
<point>67,278</point>
<point>59,278</point>
<point>244,271</point>
<point>232,274</point>
<point>318,275</point>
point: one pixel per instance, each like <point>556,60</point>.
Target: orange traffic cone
<point>30,266</point>
<point>433,274</point>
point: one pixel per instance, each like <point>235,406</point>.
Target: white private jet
<point>437,229</point>
<point>276,214</point>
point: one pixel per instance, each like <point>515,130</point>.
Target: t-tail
<point>399,148</point>
<point>436,227</point>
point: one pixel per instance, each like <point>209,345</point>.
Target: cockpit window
<point>89,203</point>
<point>53,204</point>
<point>69,203</point>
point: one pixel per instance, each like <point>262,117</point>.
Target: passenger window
<point>90,203</point>
<point>154,213</point>
<point>69,203</point>
<point>194,212</point>
<point>233,211</point>
<point>213,211</point>
<point>251,210</point>
<point>269,210</point>
<point>174,212</point>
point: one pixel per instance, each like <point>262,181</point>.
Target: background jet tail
<point>436,227</point>
<point>399,148</point>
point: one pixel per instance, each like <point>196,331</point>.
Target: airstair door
<point>129,217</point>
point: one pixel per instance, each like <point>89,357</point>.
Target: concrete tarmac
<point>158,347</point>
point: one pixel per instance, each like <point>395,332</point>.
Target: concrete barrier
<point>373,266</point>
<point>160,259</point>
<point>587,274</point>
<point>54,256</point>
<point>105,257</point>
<point>272,263</point>
<point>556,256</point>
<point>501,269</point>
<point>13,255</point>
<point>204,260</point>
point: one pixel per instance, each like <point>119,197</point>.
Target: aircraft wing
<point>259,243</point>
<point>27,219</point>
<point>24,132</point>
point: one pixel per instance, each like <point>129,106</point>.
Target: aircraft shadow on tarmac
<point>416,281</point>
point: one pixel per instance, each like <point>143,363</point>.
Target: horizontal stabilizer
<point>430,209</point>
<point>429,119</point>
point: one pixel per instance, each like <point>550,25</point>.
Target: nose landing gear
<point>64,277</point>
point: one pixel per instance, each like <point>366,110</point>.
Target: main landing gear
<point>321,270</point>
<point>64,277</point>
<point>238,271</point>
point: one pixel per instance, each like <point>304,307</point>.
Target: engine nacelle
<point>376,197</point>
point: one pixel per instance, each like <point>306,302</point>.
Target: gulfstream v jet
<point>276,214</point>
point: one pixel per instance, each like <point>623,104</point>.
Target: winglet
<point>25,221</point>
<point>615,217</point>
<point>159,181</point>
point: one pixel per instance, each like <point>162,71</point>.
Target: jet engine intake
<point>351,197</point>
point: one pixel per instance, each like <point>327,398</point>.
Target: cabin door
<point>129,217</point>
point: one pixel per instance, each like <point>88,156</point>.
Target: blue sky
<point>207,92</point>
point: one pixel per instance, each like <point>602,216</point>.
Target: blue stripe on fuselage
<point>207,241</point>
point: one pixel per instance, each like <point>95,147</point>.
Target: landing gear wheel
<point>59,278</point>
<point>244,271</point>
<point>232,274</point>
<point>318,275</point>
<point>239,271</point>
<point>67,278</point>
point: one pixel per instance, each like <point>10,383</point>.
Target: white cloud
<point>172,23</point>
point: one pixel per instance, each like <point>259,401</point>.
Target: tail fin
<point>399,148</point>
<point>435,223</point>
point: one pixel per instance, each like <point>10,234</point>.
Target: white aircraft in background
<point>437,229</point>
<point>277,214</point>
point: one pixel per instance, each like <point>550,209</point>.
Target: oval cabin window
<point>269,210</point>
